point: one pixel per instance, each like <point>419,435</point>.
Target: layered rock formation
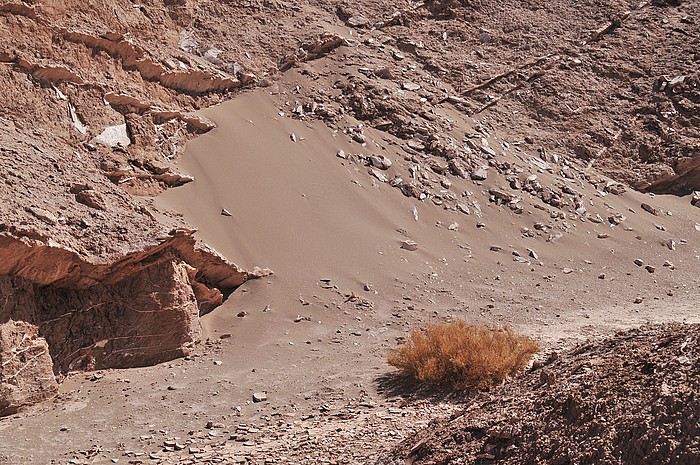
<point>64,313</point>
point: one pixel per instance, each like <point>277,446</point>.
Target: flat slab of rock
<point>410,86</point>
<point>114,136</point>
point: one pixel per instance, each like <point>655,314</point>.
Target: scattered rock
<point>648,208</point>
<point>457,168</point>
<point>92,199</point>
<point>495,248</point>
<point>225,212</point>
<point>480,174</point>
<point>384,73</point>
<point>409,245</point>
<point>359,138</point>
<point>380,161</point>
<point>650,268</point>
<point>357,21</point>
<point>44,215</point>
<point>259,397</point>
<point>379,175</point>
<point>615,188</point>
<point>639,262</point>
<point>695,199</point>
<point>554,237</point>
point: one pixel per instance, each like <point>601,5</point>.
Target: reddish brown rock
<point>139,310</point>
<point>26,375</point>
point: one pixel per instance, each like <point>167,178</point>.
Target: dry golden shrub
<point>463,355</point>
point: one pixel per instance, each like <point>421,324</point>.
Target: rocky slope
<point>563,412</point>
<point>99,102</point>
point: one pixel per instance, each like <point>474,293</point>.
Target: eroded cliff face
<point>97,104</point>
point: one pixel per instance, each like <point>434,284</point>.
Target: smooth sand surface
<point>308,215</point>
<point>294,208</point>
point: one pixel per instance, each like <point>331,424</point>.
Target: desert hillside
<point>219,217</point>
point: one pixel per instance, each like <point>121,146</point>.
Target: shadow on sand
<point>395,384</point>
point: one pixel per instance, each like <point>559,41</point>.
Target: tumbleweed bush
<point>463,355</point>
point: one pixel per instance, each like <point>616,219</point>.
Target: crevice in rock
<point>133,58</point>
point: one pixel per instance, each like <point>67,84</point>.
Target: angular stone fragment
<point>457,168</point>
<point>357,21</point>
<point>92,199</point>
<point>695,199</point>
<point>379,175</point>
<point>479,174</point>
<point>409,245</point>
<point>114,136</point>
<point>648,208</point>
<point>380,161</point>
<point>44,215</point>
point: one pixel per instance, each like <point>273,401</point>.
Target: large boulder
<point>26,368</point>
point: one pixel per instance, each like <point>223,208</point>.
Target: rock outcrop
<point>61,313</point>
